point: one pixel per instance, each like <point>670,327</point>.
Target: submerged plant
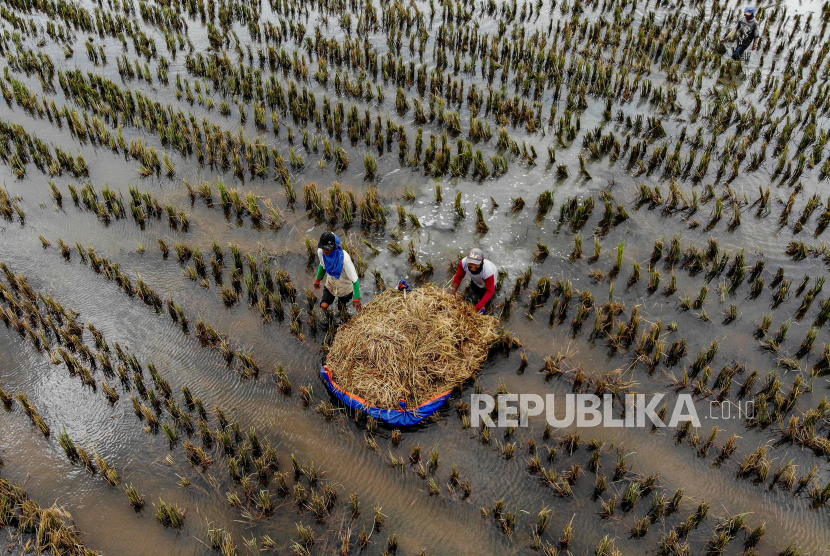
<point>170,515</point>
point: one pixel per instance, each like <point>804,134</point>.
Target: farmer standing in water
<point>337,268</point>
<point>746,33</point>
<point>482,275</point>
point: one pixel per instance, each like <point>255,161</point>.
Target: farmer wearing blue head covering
<point>746,33</point>
<point>337,268</point>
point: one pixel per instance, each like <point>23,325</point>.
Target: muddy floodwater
<point>656,212</point>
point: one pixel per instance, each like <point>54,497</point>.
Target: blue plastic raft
<point>396,417</point>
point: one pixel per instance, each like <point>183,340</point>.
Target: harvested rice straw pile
<point>411,348</point>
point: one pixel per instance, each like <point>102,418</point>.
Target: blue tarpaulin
<point>395,417</point>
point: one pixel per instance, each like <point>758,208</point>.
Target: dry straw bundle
<point>410,346</point>
<point>52,527</point>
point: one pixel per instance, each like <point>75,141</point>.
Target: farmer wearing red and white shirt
<point>482,275</point>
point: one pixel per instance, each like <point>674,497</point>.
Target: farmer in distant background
<point>482,275</point>
<point>746,33</point>
<point>337,268</point>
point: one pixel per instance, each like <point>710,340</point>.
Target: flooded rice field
<point>656,212</point>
